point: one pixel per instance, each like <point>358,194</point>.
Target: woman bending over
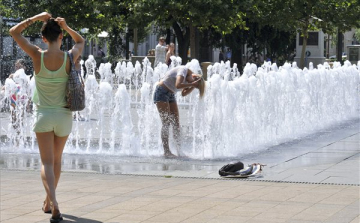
<point>176,79</point>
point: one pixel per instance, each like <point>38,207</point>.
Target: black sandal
<point>57,219</point>
<point>46,212</point>
<point>43,209</point>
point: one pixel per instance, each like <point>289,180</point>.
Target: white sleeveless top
<point>169,79</point>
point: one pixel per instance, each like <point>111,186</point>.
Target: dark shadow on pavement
<point>71,218</point>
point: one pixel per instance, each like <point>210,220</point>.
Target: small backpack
<point>238,170</point>
<point>231,169</point>
<point>75,92</point>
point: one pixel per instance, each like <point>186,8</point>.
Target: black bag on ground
<point>231,169</point>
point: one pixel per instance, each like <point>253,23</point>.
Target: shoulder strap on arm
<point>71,58</point>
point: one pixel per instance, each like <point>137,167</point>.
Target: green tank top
<point>50,86</point>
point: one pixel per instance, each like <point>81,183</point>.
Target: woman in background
<point>170,53</point>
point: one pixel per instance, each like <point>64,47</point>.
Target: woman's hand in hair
<point>44,16</point>
<point>79,41</point>
<point>196,82</point>
<point>61,22</point>
<point>24,43</point>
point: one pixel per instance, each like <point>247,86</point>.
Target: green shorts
<point>58,121</point>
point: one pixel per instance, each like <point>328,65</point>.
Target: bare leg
<point>59,145</point>
<point>174,119</point>
<point>13,117</point>
<point>46,148</point>
<point>15,124</point>
<point>164,112</point>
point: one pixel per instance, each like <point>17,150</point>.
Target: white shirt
<point>169,79</point>
<point>160,53</point>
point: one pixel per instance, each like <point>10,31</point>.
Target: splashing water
<point>263,107</point>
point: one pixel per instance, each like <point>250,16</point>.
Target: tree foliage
<point>357,34</point>
<point>96,16</point>
<point>306,15</point>
<point>278,44</point>
<point>340,15</point>
<point>79,14</point>
<point>261,24</point>
<point>181,15</point>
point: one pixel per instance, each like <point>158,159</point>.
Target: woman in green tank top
<point>53,120</point>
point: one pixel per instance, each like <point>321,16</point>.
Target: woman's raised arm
<point>79,41</point>
<point>24,44</point>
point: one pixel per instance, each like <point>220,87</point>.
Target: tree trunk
<point>302,59</point>
<point>236,57</point>
<point>193,42</point>
<point>183,53</point>
<point>205,50</point>
<point>135,41</point>
<point>183,41</point>
<point>127,40</point>
<point>168,36</point>
<point>240,62</point>
<point>339,47</point>
<point>116,46</point>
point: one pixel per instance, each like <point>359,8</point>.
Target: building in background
<point>321,46</point>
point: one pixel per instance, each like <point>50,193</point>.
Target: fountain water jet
<point>238,114</point>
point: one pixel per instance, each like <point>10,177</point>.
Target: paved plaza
<point>312,179</point>
<point>95,198</point>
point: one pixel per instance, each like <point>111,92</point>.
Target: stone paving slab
<point>95,198</point>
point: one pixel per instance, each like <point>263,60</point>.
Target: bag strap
<point>71,59</point>
<point>73,66</point>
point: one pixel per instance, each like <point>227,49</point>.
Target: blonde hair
<point>201,85</point>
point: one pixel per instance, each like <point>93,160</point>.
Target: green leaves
<point>233,19</point>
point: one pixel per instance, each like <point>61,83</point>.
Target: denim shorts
<point>163,95</point>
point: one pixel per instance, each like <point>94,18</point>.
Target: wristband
<point>28,22</point>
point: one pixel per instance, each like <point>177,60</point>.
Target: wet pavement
<point>309,180</point>
<point>331,156</point>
